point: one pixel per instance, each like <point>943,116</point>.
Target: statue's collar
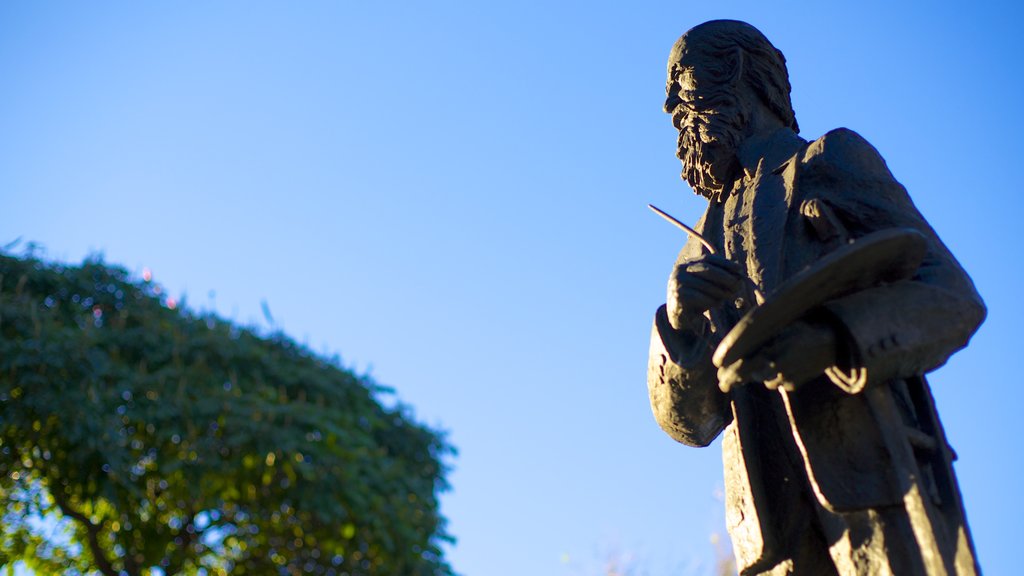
<point>773,149</point>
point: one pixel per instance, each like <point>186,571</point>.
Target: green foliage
<point>135,436</point>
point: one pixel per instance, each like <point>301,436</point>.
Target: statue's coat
<point>823,447</point>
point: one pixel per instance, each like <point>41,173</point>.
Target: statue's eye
<point>672,83</point>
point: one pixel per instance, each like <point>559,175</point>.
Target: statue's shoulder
<point>843,151</point>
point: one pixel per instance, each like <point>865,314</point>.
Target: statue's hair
<point>719,43</point>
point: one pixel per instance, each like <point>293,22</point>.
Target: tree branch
<point>92,530</point>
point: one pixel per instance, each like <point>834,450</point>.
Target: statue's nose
<point>672,99</point>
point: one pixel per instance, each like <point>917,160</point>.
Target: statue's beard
<point>707,146</point>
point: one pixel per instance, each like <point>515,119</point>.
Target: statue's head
<point>722,75</point>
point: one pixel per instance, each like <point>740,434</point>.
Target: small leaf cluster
<point>137,437</point>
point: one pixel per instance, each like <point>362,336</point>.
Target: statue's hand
<point>699,285</point>
<point>798,354</point>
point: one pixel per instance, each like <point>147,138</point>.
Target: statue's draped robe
<point>828,479</point>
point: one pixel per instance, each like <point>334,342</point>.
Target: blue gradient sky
<point>452,195</point>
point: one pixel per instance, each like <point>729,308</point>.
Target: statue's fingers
<point>730,376</point>
<point>766,372</point>
<point>712,283</point>
<point>724,264</point>
<point>723,279</point>
<point>761,366</point>
<point>798,358</point>
<point>717,266</point>
<point>778,381</point>
<point>698,301</point>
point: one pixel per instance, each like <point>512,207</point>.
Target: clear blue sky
<point>452,195</point>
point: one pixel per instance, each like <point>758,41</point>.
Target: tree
<point>137,437</point>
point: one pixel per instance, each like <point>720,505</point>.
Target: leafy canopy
<point>139,438</point>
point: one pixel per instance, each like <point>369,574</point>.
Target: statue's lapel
<point>767,201</point>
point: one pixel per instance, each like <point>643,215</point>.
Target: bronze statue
<point>804,328</point>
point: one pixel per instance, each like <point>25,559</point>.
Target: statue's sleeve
<point>905,328</point>
<point>682,381</point>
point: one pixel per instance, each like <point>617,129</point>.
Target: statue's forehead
<point>683,52</point>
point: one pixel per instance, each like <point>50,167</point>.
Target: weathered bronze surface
<point>835,459</point>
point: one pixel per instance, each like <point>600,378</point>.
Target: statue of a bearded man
<point>835,459</point>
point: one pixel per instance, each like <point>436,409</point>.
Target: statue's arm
<point>682,383</point>
<point>908,327</point>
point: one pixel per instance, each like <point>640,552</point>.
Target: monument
<point>801,317</point>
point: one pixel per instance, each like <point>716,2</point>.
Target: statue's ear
<point>737,67</point>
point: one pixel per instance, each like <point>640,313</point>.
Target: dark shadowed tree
<point>137,437</point>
